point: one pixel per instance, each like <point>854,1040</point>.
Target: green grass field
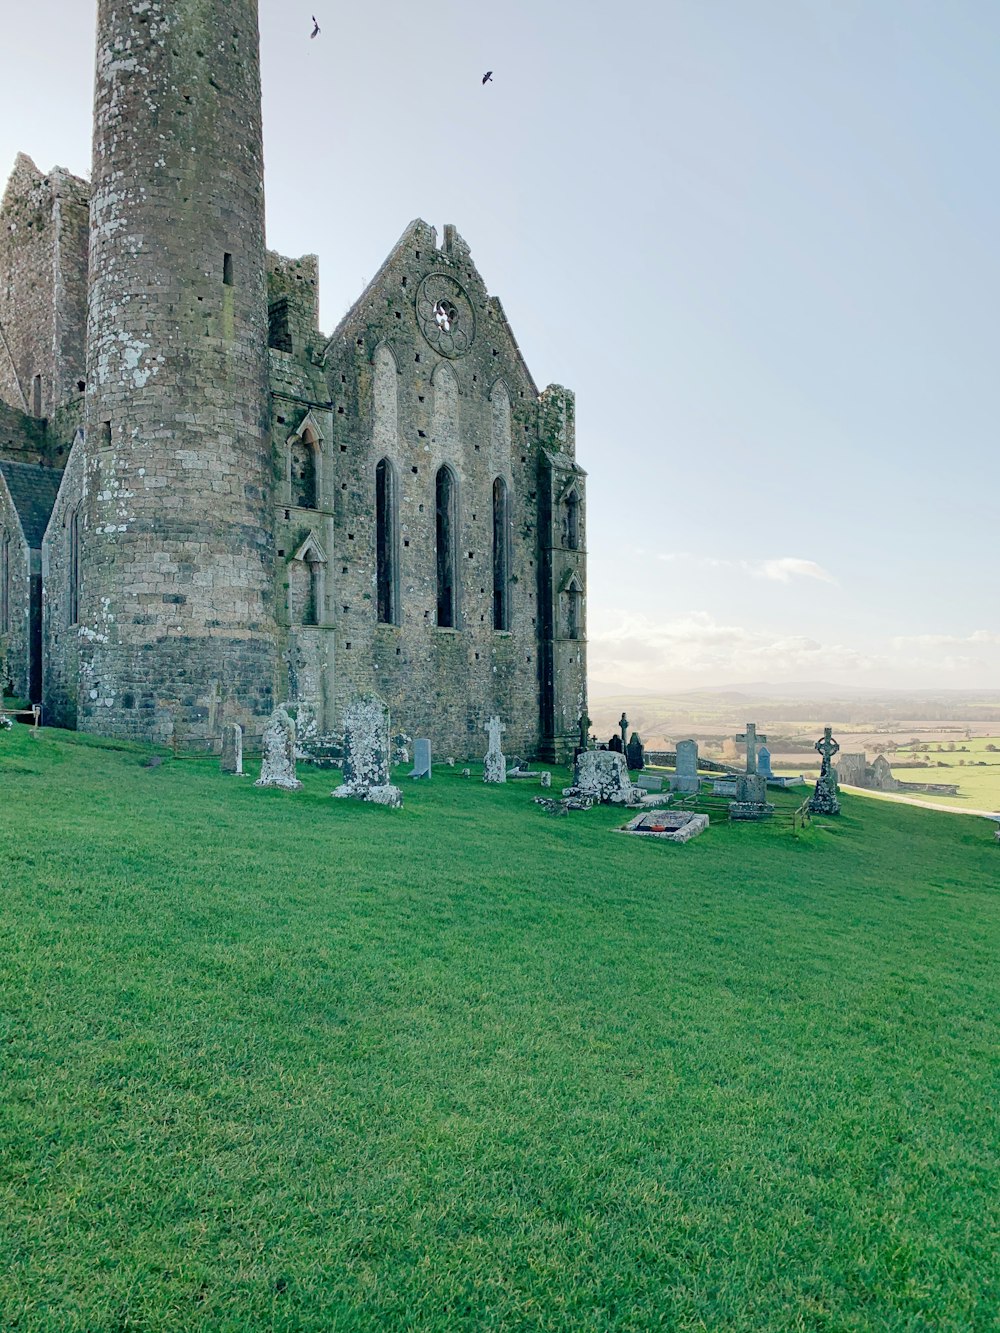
<point>278,1062</point>
<point>979,787</point>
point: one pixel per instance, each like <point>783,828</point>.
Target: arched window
<point>573,614</point>
<point>385,543</point>
<point>571,521</point>
<point>314,595</point>
<point>4,581</point>
<point>447,541</point>
<point>501,555</point>
<point>73,554</point>
<point>302,465</point>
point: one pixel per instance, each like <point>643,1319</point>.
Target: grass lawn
<point>278,1062</point>
<point>978,787</point>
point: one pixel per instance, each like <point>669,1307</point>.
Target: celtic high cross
<point>827,747</point>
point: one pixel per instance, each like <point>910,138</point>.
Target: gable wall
<point>439,682</point>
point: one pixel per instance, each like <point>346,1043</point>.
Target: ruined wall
<point>15,583</point>
<point>293,303</point>
<point>563,582</point>
<point>44,224</point>
<point>406,389</point>
<point>176,625</point>
<point>60,629</point>
<point>23,439</point>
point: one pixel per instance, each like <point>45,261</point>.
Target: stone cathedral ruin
<point>208,508</point>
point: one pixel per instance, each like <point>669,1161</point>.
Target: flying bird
<point>488,76</point>
<point>315,31</point>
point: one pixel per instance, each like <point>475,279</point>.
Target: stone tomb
<point>494,764</point>
<point>751,798</point>
<point>366,754</point>
<point>232,749</point>
<point>602,776</point>
<point>277,768</point>
<point>421,759</point>
<point>667,825</point>
<point>685,780</point>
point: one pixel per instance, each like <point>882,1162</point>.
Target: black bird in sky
<point>488,76</point>
<point>315,31</point>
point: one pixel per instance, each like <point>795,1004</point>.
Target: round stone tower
<point>176,628</point>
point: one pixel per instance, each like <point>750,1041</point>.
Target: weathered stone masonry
<point>254,513</point>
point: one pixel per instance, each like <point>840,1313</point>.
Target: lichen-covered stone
<point>277,767</point>
<point>494,763</point>
<point>602,776</point>
<point>232,748</point>
<point>366,754</point>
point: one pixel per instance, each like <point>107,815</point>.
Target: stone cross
<point>623,728</point>
<point>751,737</point>
<point>495,764</point>
<point>826,748</point>
<point>584,731</point>
<point>495,729</point>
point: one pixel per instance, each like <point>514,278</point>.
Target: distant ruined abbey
<point>206,506</point>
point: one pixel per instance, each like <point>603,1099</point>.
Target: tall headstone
<point>635,754</point>
<point>764,762</point>
<point>366,754</point>
<point>825,799</point>
<point>232,748</point>
<point>685,780</point>
<point>584,731</point>
<point>623,728</point>
<point>494,764</point>
<point>421,759</point>
<point>277,767</point>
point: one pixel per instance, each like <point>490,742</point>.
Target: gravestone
<point>494,764</point>
<point>764,762</point>
<point>421,759</point>
<point>546,780</point>
<point>724,786</point>
<point>685,780</point>
<point>635,754</point>
<point>277,767</point>
<point>623,728</point>
<point>751,798</point>
<point>366,754</point>
<point>649,782</point>
<point>584,731</point>
<point>615,745</point>
<point>232,748</point>
<point>825,799</point>
<point>602,775</point>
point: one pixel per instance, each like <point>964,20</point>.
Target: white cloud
<point>696,649</point>
<point>633,648</point>
<point>780,569</point>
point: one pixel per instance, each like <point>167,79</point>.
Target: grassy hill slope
<point>274,1061</point>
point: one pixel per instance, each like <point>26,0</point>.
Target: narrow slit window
<point>36,396</point>
<point>501,555</point>
<point>74,567</point>
<point>447,580</point>
<point>5,584</point>
<point>227,269</point>
<point>571,521</point>
<point>385,543</point>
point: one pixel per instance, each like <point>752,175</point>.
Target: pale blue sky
<point>760,239</point>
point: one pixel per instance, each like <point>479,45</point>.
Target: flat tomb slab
<point>669,825</point>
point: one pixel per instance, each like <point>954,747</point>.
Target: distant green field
<point>276,1062</point>
<point>979,788</point>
